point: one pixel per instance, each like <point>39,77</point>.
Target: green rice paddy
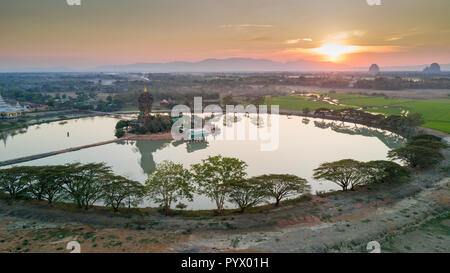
<point>436,113</point>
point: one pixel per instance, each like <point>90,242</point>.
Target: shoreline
<point>339,222</point>
<point>168,136</point>
<point>150,137</point>
<point>393,214</point>
<point>51,117</point>
<point>285,112</point>
<point>350,120</point>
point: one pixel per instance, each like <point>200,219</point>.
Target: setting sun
<point>334,52</point>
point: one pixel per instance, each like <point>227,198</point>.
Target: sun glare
<point>334,52</point>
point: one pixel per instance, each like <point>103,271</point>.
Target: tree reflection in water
<point>4,135</point>
<point>390,139</point>
<point>146,149</point>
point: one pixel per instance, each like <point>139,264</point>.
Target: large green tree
<point>247,193</point>
<point>421,151</point>
<point>414,119</point>
<point>426,137</point>
<point>345,113</point>
<point>347,173</point>
<point>168,183</point>
<point>85,183</point>
<point>432,144</point>
<point>46,183</point>
<point>215,175</point>
<point>118,192</point>
<point>31,176</point>
<point>14,181</point>
<point>322,112</point>
<point>281,186</point>
<point>383,171</point>
<point>416,156</point>
<point>122,124</point>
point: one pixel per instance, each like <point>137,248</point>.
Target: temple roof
<point>6,108</point>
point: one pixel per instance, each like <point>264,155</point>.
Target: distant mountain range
<point>223,65</point>
<point>5,68</point>
<point>249,65</point>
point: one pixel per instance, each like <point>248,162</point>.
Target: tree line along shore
<point>219,178</point>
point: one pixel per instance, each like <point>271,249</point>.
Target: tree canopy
<point>14,181</point>
<point>421,151</point>
<point>46,183</point>
<point>349,173</point>
<point>416,156</point>
<point>168,183</point>
<point>346,173</point>
<point>380,171</point>
<point>82,184</point>
<point>85,183</point>
<point>247,193</point>
<point>216,174</point>
<point>120,191</point>
<point>281,186</point>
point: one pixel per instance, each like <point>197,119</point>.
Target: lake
<point>302,148</point>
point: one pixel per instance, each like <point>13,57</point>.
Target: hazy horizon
<point>49,33</point>
<point>214,65</point>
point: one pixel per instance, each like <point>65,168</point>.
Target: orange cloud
<point>335,52</point>
<point>296,41</point>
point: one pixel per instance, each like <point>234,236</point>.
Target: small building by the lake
<point>8,111</point>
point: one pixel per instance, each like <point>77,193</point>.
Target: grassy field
<point>436,113</point>
<point>298,103</point>
<point>363,100</point>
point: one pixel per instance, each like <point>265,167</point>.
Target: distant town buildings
<point>8,111</point>
<point>433,68</point>
<point>374,69</point>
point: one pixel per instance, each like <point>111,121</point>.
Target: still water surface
<point>302,147</point>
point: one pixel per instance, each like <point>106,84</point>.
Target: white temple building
<point>8,111</point>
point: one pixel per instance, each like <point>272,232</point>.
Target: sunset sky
<point>100,32</point>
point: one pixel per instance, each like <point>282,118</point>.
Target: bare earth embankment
<point>402,217</point>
